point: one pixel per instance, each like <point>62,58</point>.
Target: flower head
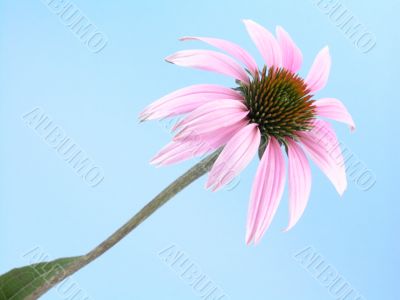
<point>271,109</point>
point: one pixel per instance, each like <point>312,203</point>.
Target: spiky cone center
<point>279,102</point>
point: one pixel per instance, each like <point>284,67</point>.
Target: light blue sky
<point>95,99</point>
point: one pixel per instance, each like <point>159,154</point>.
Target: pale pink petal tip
<point>292,57</point>
<point>229,47</point>
<point>248,239</point>
<point>265,42</point>
<point>318,75</point>
<point>186,100</point>
<point>324,149</point>
<point>143,116</point>
<point>334,109</point>
<point>209,61</point>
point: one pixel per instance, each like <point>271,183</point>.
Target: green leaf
<point>19,283</point>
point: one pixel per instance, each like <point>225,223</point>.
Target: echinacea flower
<point>271,109</point>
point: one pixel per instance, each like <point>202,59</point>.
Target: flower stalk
<point>174,188</point>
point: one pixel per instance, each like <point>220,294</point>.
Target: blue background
<point>96,98</point>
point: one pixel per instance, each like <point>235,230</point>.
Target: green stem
<point>174,188</point>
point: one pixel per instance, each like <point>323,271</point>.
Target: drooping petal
<point>324,149</point>
<point>211,116</point>
<point>265,43</point>
<point>229,105</point>
<point>231,48</point>
<point>187,99</point>
<point>209,61</point>
<point>178,151</point>
<point>291,54</point>
<point>334,109</point>
<point>266,192</point>
<point>318,75</point>
<point>235,156</point>
<point>299,182</point>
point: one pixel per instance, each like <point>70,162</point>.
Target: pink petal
<point>291,54</point>
<point>267,191</point>
<point>299,182</point>
<point>211,116</point>
<point>265,42</point>
<point>334,109</point>
<point>231,48</point>
<point>187,99</point>
<point>322,145</point>
<point>209,61</point>
<point>178,151</point>
<point>229,105</point>
<point>319,72</point>
<point>235,156</point>
<point>215,133</point>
